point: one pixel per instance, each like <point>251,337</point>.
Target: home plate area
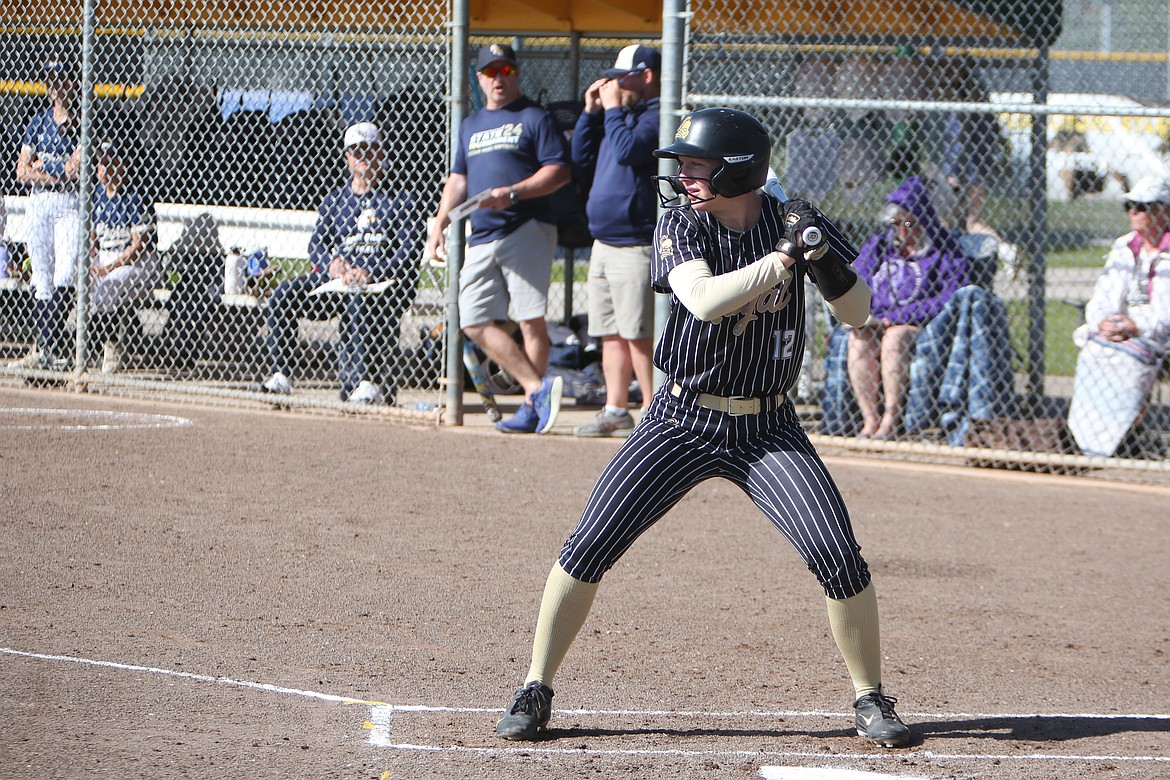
<point>801,740</point>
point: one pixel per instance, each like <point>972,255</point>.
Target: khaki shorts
<point>508,277</point>
<point>621,302</point>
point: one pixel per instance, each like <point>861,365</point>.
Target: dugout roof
<point>1025,22</point>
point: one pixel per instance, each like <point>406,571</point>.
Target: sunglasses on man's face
<point>1141,208</point>
<point>491,71</point>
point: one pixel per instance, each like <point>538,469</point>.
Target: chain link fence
<point>983,175</point>
<point>219,190</point>
<point>254,195</point>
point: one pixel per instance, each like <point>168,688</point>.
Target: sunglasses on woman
<point>491,71</point>
<point>1141,208</point>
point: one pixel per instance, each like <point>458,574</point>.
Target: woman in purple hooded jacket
<point>913,267</point>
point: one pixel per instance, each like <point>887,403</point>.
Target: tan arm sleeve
<point>711,297</point>
<point>852,308</point>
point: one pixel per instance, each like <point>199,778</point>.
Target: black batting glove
<point>804,229</point>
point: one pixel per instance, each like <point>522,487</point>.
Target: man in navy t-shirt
<point>512,156</point>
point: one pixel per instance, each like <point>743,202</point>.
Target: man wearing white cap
<point>511,153</point>
<point>1126,333</point>
<point>363,235</point>
<point>615,137</point>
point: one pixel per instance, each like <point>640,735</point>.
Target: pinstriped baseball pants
<point>679,444</point>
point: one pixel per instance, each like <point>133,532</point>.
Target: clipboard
<point>338,285</point>
<point>466,207</point>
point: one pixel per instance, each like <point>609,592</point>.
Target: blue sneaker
<point>524,421</point>
<point>547,402</point>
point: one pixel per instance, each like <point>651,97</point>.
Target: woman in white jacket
<point>1126,334</point>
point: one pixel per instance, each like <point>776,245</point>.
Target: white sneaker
<point>278,383</point>
<point>31,360</point>
<point>111,358</point>
<point>366,393</point>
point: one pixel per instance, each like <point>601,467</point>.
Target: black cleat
<point>877,721</point>
<point>528,713</point>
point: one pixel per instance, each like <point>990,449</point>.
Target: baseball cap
<point>1149,189</point>
<point>634,59</point>
<point>59,68</point>
<point>495,52</point>
<point>362,133</point>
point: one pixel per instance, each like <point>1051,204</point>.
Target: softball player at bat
<point>48,164</point>
<point>733,260</point>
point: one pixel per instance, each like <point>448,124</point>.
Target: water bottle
<point>4,258</point>
<point>235,266</point>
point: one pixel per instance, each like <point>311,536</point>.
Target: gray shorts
<point>513,270</point>
<point>621,302</point>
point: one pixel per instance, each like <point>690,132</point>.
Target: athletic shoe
<point>606,423</point>
<point>528,713</point>
<point>277,384</point>
<point>547,402</point>
<point>877,721</point>
<point>524,421</point>
<point>50,363</point>
<point>111,358</point>
<point>31,360</point>
<point>366,393</point>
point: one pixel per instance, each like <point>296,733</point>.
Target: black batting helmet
<point>735,138</point>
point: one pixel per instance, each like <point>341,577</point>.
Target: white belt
<point>736,405</point>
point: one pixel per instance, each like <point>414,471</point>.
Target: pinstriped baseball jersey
<point>677,444</point>
<point>756,351</point>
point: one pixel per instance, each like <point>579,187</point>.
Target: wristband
<point>790,249</point>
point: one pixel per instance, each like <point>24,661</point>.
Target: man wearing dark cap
<point>616,136</point>
<point>511,154</point>
<point>48,164</point>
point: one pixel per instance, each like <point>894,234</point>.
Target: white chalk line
<point>381,716</point>
<point>769,754</point>
<point>192,676</point>
<point>126,420</point>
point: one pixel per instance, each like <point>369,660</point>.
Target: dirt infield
<point>231,594</point>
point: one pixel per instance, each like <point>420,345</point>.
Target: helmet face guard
<point>672,192</point>
<point>735,138</point>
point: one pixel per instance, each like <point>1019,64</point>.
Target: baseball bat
<point>812,235</point>
<point>478,378</point>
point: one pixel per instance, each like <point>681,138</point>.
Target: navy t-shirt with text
<point>500,147</point>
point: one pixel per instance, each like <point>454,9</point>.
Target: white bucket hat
<point>1149,189</point>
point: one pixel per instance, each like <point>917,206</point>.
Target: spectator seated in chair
<point>124,267</point>
<point>364,234</point>
<point>935,352</point>
<point>1126,335</point>
<point>913,266</point>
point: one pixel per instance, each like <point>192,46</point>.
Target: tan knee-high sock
<point>854,623</point>
<point>563,610</point>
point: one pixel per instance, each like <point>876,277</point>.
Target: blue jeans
<point>368,326</point>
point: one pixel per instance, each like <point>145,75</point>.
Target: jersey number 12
<point>785,344</point>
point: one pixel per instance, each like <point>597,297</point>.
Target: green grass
<point>1077,257</point>
<point>1060,319</point>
